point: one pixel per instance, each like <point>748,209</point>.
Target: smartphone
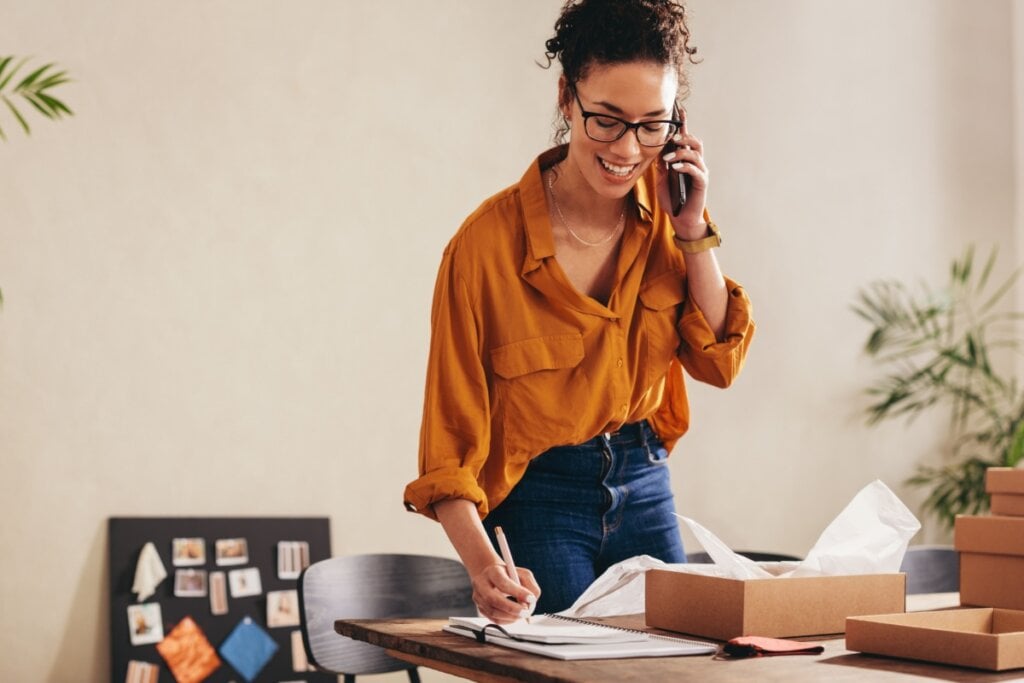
<point>678,183</point>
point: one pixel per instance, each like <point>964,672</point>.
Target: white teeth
<point>617,170</point>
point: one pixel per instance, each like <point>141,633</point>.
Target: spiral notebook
<point>569,638</point>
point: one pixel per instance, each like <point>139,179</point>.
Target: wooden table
<point>422,642</point>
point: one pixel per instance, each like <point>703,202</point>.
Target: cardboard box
<point>1005,486</point>
<point>985,638</point>
<point>991,560</point>
<point>1007,504</point>
<point>992,580</point>
<point>719,608</point>
<point>989,534</point>
<point>1005,480</point>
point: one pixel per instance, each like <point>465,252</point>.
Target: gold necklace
<point>618,224</point>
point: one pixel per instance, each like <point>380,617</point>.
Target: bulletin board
<point>128,535</point>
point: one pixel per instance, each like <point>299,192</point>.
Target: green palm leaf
<point>33,89</point>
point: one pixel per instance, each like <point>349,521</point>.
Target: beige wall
<point>1018,134</point>
<point>217,274</point>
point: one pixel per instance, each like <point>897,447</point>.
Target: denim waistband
<point>632,434</point>
<point>633,437</point>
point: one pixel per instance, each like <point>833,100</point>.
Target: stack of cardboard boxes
<point>989,635</point>
<point>992,547</point>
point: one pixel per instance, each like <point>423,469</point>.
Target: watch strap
<point>712,239</point>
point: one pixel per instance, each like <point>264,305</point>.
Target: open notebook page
<point>593,648</point>
<point>545,629</point>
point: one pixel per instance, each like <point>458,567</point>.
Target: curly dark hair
<point>596,32</point>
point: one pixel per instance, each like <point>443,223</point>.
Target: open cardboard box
<point>1005,486</point>
<point>983,638</point>
<point>721,608</point>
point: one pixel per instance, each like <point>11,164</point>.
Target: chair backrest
<point>375,587</point>
<point>755,555</point>
<point>931,569</point>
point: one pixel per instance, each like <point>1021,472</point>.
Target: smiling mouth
<point>616,170</point>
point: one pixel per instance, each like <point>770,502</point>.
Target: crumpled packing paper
<point>149,572</point>
<point>870,536</point>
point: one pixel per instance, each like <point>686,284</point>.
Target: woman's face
<point>633,91</point>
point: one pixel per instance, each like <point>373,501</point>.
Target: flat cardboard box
<point>992,580</point>
<point>985,638</point>
<point>720,608</point>
<point>1005,486</point>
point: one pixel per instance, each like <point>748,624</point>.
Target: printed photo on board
<point>218,593</point>
<point>188,552</point>
<point>282,608</point>
<point>145,623</point>
<point>231,551</point>
<point>245,582</point>
<point>190,583</point>
<point>292,558</point>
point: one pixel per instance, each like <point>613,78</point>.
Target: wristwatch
<point>712,239</point>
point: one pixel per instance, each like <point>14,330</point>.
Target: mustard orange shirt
<point>520,361</point>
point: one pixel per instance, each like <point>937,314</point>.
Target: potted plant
<point>937,348</point>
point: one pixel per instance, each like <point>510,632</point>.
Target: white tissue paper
<point>869,536</point>
<point>729,563</point>
<point>149,572</point>
<point>619,590</point>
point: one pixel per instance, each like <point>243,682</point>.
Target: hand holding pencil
<point>513,573</point>
<point>502,592</point>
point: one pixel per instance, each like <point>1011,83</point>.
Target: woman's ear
<point>564,98</point>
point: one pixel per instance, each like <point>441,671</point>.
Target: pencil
<point>506,556</point>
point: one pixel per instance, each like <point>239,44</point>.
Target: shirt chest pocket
<point>554,352</point>
<point>535,379</point>
<point>661,299</point>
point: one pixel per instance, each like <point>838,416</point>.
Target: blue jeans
<point>580,509</point>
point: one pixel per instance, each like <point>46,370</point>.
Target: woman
<point>563,309</point>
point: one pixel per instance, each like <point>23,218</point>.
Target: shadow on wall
<point>81,653</point>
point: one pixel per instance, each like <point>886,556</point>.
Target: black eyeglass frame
<point>675,123</point>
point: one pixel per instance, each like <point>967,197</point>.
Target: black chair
<point>375,587</point>
<point>755,555</point>
<point>931,569</point>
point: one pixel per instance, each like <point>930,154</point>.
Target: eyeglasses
<point>607,128</point>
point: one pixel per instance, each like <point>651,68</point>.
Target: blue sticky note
<point>248,648</point>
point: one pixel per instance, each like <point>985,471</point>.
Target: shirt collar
<point>540,241</point>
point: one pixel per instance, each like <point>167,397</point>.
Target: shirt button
<point>624,407</point>
<point>618,363</point>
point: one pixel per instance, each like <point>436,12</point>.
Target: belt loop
<point>657,457</point>
<point>643,439</point>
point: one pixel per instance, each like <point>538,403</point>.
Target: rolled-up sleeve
<point>455,433</point>
<point>704,357</point>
